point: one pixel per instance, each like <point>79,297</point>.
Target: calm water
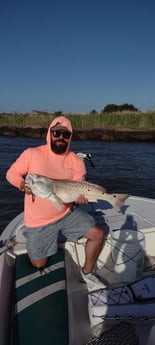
<point>119,167</point>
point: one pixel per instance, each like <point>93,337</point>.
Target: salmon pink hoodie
<point>43,161</point>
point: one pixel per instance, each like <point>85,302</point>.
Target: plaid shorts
<point>43,241</point>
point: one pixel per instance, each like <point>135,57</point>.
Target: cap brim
<point>58,127</point>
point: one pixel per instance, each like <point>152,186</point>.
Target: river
<point>124,167</point>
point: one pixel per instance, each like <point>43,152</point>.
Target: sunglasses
<point>57,134</point>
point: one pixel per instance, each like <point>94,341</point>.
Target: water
<point>119,167</point>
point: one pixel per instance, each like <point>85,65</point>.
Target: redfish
<point>65,191</point>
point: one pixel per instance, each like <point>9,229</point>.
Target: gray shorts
<point>42,241</point>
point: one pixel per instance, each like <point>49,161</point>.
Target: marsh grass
<point>131,120</point>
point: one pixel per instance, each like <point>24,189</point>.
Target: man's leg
<point>94,244</point>
<point>41,263</point>
<point>41,243</point>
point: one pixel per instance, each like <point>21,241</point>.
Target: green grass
<point>131,120</point>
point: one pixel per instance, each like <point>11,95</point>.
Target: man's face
<point>59,140</point>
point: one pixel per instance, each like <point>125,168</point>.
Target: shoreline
<point>101,134</point>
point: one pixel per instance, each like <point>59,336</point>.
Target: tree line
<point>112,108</point>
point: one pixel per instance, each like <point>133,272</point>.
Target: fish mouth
<point>28,180</point>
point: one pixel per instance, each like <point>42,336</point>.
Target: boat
<point>52,306</point>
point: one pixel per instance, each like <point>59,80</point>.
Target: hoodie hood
<point>63,121</point>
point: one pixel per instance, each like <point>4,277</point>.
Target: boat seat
<point>40,309</point>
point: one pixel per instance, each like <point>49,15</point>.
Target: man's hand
<point>24,188</point>
<point>81,200</point>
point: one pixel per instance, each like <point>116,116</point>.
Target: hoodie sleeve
<point>16,173</point>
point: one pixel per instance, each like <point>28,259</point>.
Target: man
<point>43,221</point>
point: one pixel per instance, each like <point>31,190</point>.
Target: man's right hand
<point>24,188</point>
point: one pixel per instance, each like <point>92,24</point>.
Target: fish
<point>61,192</point>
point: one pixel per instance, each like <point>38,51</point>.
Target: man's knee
<point>96,233</point>
<point>39,263</point>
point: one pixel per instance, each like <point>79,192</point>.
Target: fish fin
<point>56,201</point>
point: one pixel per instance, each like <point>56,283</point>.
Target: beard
<point>59,146</point>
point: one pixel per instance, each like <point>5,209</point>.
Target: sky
<point>76,56</point>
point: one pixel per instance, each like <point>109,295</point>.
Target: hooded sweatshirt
<point>43,161</point>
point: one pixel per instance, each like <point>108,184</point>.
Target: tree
<point>93,111</point>
<point>127,106</point>
<point>58,113</point>
<point>111,108</point>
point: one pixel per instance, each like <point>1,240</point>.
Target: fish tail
<point>117,200</point>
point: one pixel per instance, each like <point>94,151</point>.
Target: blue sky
<point>76,55</point>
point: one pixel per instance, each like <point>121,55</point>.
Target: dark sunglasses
<point>57,134</point>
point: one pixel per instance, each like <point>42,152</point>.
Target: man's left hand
<point>81,200</point>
